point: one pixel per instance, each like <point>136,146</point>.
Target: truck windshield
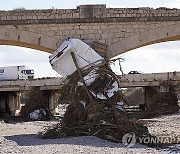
<point>29,71</point>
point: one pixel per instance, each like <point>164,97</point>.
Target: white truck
<point>62,62</point>
<point>16,73</point>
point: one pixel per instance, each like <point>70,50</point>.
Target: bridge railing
<point>169,76</point>
<point>129,80</point>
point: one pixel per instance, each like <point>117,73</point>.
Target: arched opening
<point>27,39</point>
<point>34,59</point>
<point>156,58</point>
<point>17,56</point>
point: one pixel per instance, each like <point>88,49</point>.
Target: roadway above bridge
<point>154,79</point>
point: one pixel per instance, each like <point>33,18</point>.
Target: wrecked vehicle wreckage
<point>94,91</point>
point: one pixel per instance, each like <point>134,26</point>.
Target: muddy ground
<point>21,137</point>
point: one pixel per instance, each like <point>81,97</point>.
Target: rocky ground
<point>21,137</point>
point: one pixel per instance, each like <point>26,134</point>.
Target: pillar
<point>2,104</point>
<point>14,103</point>
<point>149,96</point>
<point>53,102</point>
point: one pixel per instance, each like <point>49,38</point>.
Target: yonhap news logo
<point>130,139</point>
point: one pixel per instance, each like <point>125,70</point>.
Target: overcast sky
<point>160,57</point>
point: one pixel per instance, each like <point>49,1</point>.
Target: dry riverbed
<point>21,137</point>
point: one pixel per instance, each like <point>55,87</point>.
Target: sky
<point>46,4</point>
<point>161,57</point>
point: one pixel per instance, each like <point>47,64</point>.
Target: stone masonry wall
<point>108,33</point>
<point>87,12</point>
<point>89,22</point>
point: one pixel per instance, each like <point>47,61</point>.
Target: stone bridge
<point>122,29</point>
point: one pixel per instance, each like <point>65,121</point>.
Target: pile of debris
<point>97,111</point>
<point>36,106</point>
<point>94,91</point>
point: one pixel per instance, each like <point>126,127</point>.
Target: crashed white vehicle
<point>62,62</point>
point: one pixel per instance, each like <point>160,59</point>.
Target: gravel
<point>21,137</point>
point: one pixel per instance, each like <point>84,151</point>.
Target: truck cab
<point>27,74</point>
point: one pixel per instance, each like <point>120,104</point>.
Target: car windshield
<point>134,72</point>
<point>29,71</point>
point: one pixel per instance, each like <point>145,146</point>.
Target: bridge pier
<point>53,102</point>
<point>10,103</point>
<point>149,93</point>
<point>14,102</point>
<point>4,104</point>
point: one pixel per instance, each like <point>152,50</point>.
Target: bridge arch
<point>152,36</point>
<point>28,39</point>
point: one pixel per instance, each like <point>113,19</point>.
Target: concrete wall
<point>130,80</point>
<point>169,76</point>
